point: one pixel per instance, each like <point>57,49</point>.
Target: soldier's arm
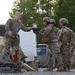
<point>60,35</point>
<point>7,28</point>
<point>57,30</point>
<point>41,31</point>
<point>72,43</point>
<point>7,25</point>
<point>72,37</point>
<point>24,28</point>
<point>44,32</point>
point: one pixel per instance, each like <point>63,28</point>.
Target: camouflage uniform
<point>51,61</point>
<point>65,37</point>
<point>14,26</point>
<point>73,54</point>
<point>49,34</point>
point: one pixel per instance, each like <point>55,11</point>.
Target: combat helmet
<point>52,21</point>
<point>46,19</point>
<point>64,21</point>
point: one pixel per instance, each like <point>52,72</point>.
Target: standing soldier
<point>49,36</point>
<point>51,58</point>
<point>12,27</point>
<point>65,37</point>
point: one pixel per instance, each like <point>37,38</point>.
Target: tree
<point>66,9</point>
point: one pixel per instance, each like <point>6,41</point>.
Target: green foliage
<point>66,9</point>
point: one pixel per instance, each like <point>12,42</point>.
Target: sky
<point>5,8</point>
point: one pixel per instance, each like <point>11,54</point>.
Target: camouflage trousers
<point>12,42</point>
<point>55,51</point>
<point>73,60</point>
<point>50,59</point>
<point>66,56</point>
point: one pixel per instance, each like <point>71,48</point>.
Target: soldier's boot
<point>60,68</point>
<point>49,69</point>
<point>65,69</point>
<point>50,66</point>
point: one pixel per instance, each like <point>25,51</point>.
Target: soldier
<point>12,27</point>
<point>49,36</point>
<point>51,58</point>
<point>65,38</point>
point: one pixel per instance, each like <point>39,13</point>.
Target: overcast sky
<point>5,7</point>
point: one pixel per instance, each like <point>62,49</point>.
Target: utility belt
<point>16,36</point>
<point>54,41</point>
<point>66,43</point>
<point>46,40</point>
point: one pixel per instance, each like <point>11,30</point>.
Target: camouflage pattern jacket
<point>15,26</point>
<point>65,36</point>
<point>49,34</point>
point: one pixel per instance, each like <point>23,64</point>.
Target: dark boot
<point>60,68</point>
<point>49,69</point>
<point>65,69</point>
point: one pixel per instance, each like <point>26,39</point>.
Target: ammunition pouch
<point>46,40</point>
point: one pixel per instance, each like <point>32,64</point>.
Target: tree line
<point>34,10</point>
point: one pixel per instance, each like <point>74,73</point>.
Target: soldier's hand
<point>36,31</point>
<point>10,34</point>
<point>34,26</point>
